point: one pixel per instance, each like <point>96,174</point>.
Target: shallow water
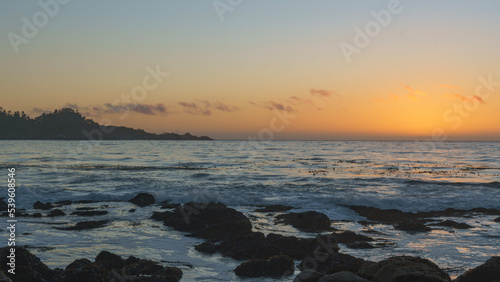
<point>309,175</point>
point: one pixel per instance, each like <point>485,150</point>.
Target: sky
<point>260,70</point>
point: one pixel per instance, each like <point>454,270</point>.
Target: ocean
<point>323,176</point>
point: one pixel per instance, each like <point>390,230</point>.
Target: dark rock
<point>131,210</point>
<point>310,221</point>
<point>486,272</point>
<point>89,213</point>
<point>496,219</point>
<point>63,203</point>
<point>3,205</point>
<point>412,226</point>
<point>109,260</point>
<point>85,225</point>
<point>28,266</point>
<point>451,223</point>
<point>403,268</point>
<point>343,276</point>
<point>143,199</point>
<point>4,278</point>
<point>308,275</point>
<point>394,216</point>
<point>56,212</point>
<point>209,221</point>
<point>346,237</point>
<point>255,245</point>
<point>83,270</point>
<point>359,245</point>
<point>41,206</point>
<point>37,214</point>
<point>275,266</point>
<point>273,208</point>
<point>331,263</point>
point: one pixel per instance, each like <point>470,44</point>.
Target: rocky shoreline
<point>230,233</point>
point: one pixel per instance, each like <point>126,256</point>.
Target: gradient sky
<point>235,77</point>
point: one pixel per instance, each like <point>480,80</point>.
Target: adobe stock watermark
<point>363,37</point>
<point>223,6</point>
<point>30,27</point>
<point>460,111</point>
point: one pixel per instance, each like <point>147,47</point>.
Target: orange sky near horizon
<point>263,67</point>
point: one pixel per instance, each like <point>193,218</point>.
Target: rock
<point>109,260</point>
<point>412,226</point>
<point>486,272</point>
<point>64,203</point>
<point>131,210</point>
<point>111,267</point>
<point>273,208</point>
<point>276,266</point>
<point>343,276</point>
<point>308,275</point>
<point>83,270</point>
<point>41,206</point>
<point>85,225</point>
<point>89,213</point>
<point>3,205</point>
<point>359,245</point>
<point>143,199</point>
<point>255,245</point>
<point>56,212</point>
<point>403,268</point>
<point>346,237</point>
<point>209,221</point>
<point>4,277</point>
<point>28,266</point>
<point>310,221</point>
<point>497,219</point>
<point>451,223</point>
<point>167,205</point>
<point>332,263</point>
<point>37,214</point>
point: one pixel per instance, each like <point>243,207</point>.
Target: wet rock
<point>28,266</point>
<point>41,206</point>
<point>412,226</point>
<point>403,268</point>
<point>3,205</point>
<point>109,260</point>
<point>36,215</point>
<point>497,219</point>
<point>85,225</point>
<point>308,275</point>
<point>331,263</point>
<point>56,212</point>
<point>131,210</point>
<point>111,267</point>
<point>63,203</point>
<point>350,237</point>
<point>275,266</point>
<point>273,208</point>
<point>89,213</point>
<point>451,223</point>
<point>255,245</point>
<point>83,270</point>
<point>487,272</point>
<point>4,277</point>
<point>143,199</point>
<point>343,276</point>
<point>359,245</point>
<point>209,221</point>
<point>310,221</point>
<point>166,205</point>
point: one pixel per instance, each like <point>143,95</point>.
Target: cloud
<point>414,93</point>
<point>204,107</point>
<point>448,86</point>
<point>38,111</point>
<point>272,105</point>
<point>158,109</point>
<point>321,93</point>
<point>466,99</point>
